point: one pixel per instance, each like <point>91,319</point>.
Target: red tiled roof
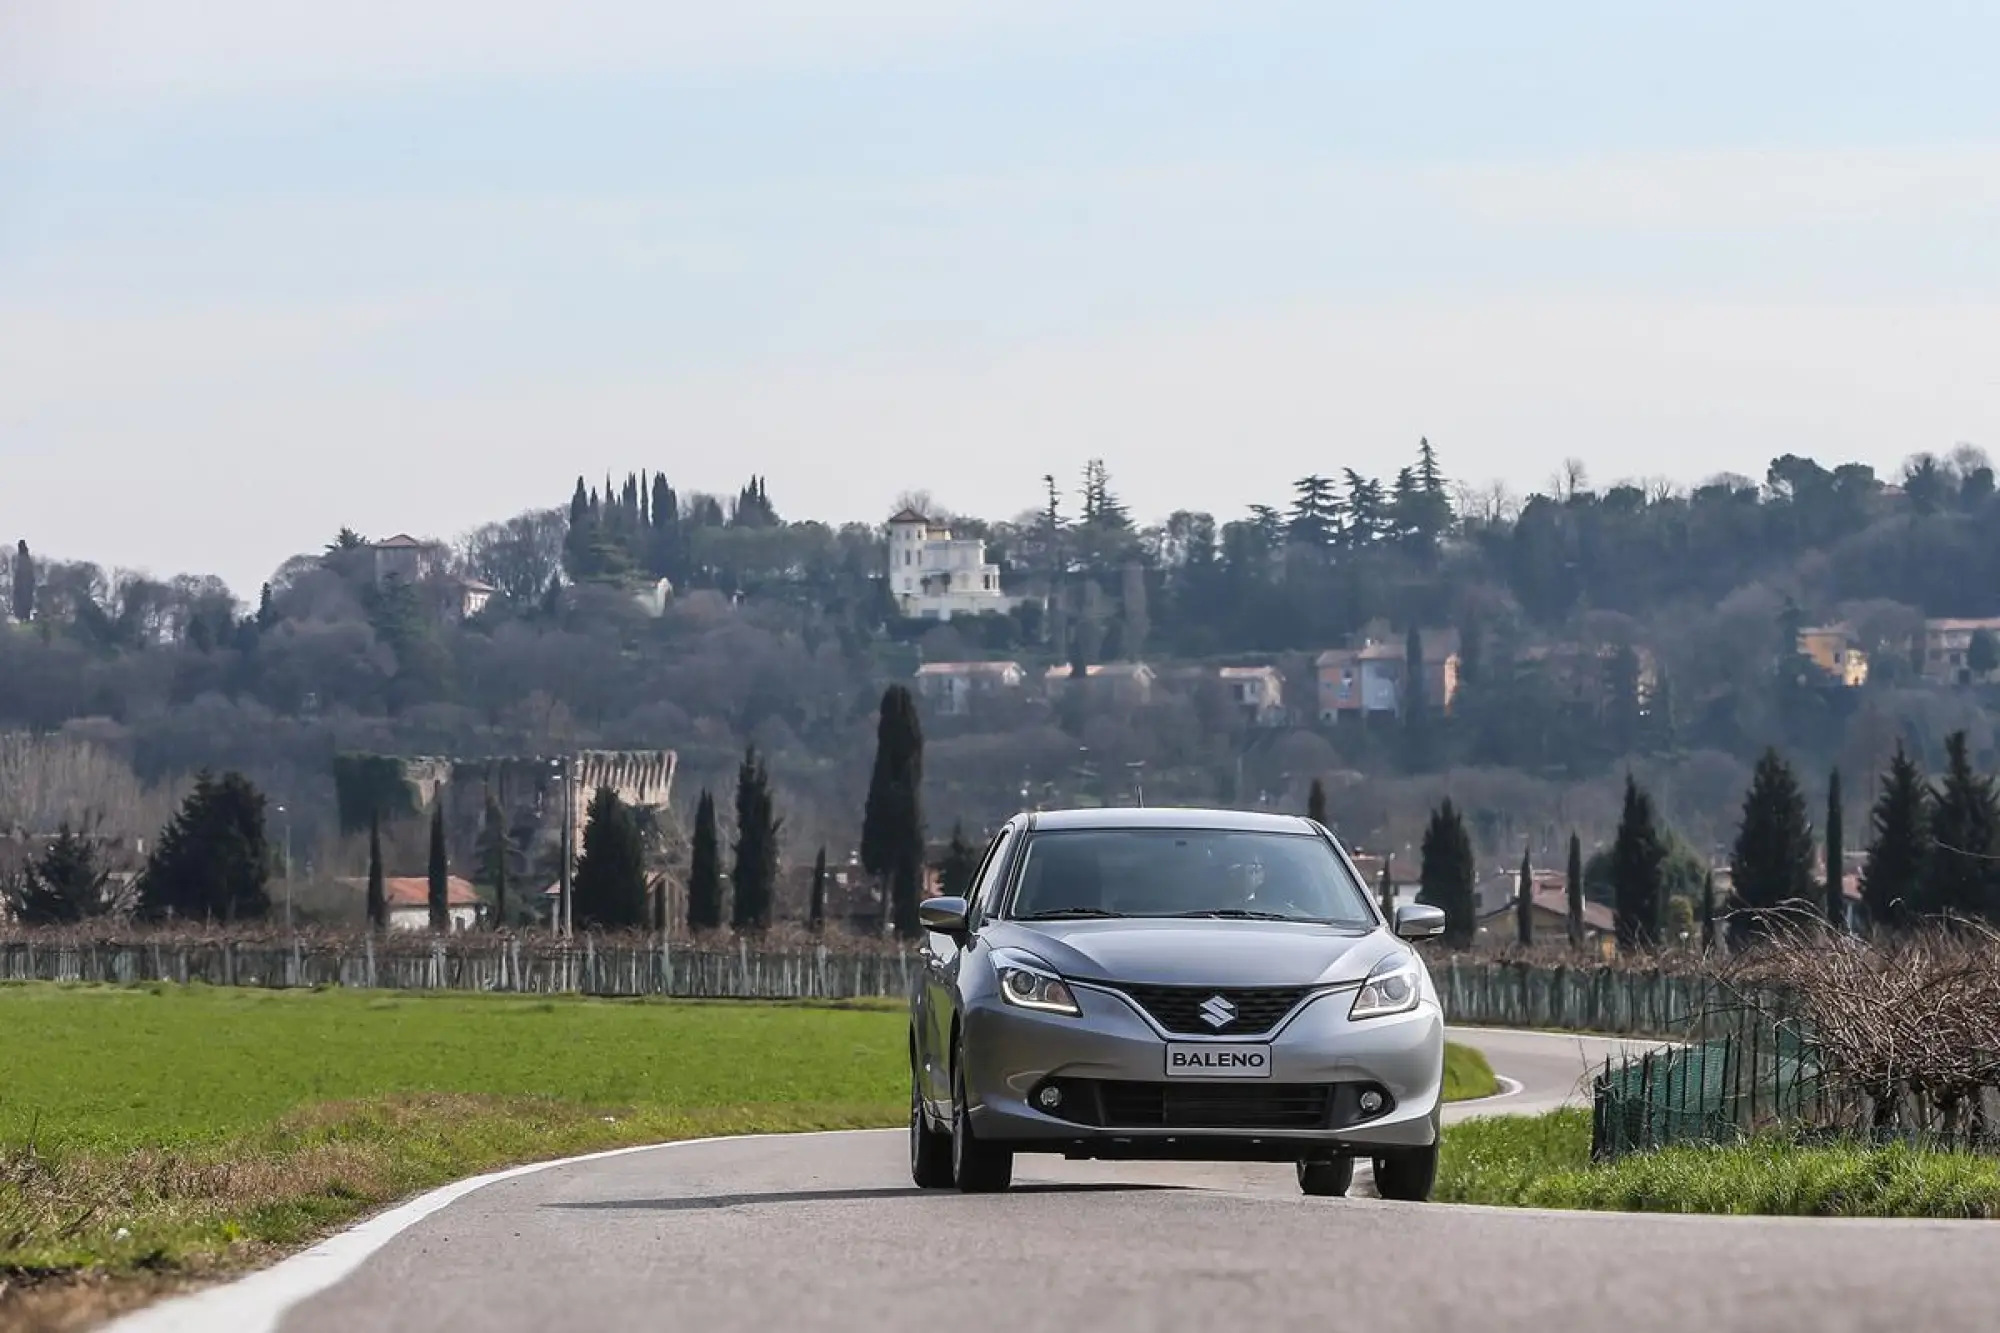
<point>415,891</point>
<point>908,516</point>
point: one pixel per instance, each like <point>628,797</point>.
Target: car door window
<point>986,878</point>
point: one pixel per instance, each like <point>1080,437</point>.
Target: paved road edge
<point>255,1303</point>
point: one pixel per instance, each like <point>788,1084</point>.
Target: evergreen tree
<point>439,873</point>
<point>1385,889</point>
<point>378,892</point>
<point>1524,904</point>
<point>1963,876</point>
<point>1771,867</point>
<point>211,862</point>
<point>756,875</point>
<point>61,887</point>
<point>1638,859</point>
<point>704,899</point>
<point>608,890</point>
<point>1895,873</point>
<point>267,613</point>
<point>961,859</point>
<point>1836,861</point>
<point>1573,892</point>
<point>1316,803</point>
<point>892,826</point>
<point>496,853</point>
<point>24,583</point>
<point>816,905</point>
<point>1708,910</point>
<point>1446,875</point>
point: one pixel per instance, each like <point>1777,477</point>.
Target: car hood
<point>1199,952</point>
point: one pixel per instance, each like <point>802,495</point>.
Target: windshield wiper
<point>1062,913</point>
<point>1242,914</point>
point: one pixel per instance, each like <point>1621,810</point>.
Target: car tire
<point>1407,1176</point>
<point>1326,1179</point>
<point>930,1149</point>
<point>975,1167</point>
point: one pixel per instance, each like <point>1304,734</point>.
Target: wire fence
<point>1473,992</point>
<point>1769,1077</point>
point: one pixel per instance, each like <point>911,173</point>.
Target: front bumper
<point>1109,1066</point>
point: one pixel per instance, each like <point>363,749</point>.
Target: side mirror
<point>1419,921</point>
<point>946,916</point>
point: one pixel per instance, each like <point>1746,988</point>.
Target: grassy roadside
<point>1544,1162</point>
<point>154,1135</point>
<point>1466,1074</point>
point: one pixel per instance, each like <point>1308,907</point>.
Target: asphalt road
<point>826,1232</point>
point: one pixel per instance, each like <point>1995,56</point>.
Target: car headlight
<point>1031,984</point>
<point>1394,987</point>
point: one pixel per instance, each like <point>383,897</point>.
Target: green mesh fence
<point>1764,1074</point>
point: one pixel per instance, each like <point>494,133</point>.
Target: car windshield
<point>1186,872</point>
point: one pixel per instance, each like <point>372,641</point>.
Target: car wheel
<point>975,1167</point>
<point>1326,1179</point>
<point>930,1149</point>
<point>1407,1176</point>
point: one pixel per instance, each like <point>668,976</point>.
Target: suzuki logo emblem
<point>1217,1012</point>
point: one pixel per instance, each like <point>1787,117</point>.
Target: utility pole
<point>286,815</point>
<point>568,840</point>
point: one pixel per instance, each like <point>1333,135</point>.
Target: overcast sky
<point>270,267</point>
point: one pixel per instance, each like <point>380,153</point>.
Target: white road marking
<point>256,1303</point>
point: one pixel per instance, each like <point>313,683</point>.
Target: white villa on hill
<point>935,576</point>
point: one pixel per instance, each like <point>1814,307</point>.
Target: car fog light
<point>1050,1098</point>
<point>1371,1102</point>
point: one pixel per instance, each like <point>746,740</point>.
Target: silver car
<point>1161,984</point>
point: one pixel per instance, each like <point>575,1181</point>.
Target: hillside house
<point>1367,681</point>
<point>1948,649</point>
<point>935,576</point>
<point>1832,648</point>
<point>1259,691</point>
<point>950,687</point>
<point>1129,683</point>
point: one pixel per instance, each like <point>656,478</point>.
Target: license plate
<point>1217,1060</point>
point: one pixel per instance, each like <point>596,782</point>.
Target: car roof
<point>1160,816</point>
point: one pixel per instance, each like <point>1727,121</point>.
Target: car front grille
<point>1213,1105</point>
<point>1179,1008</point>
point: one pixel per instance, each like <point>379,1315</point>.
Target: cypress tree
<point>439,872</point>
<point>1524,904</point>
<point>892,825</point>
<point>24,583</point>
<point>1708,909</point>
<point>1963,877</point>
<point>378,896</point>
<point>816,907</point>
<point>704,901</point>
<point>608,890</point>
<point>1836,860</point>
<point>1316,803</point>
<point>1447,873</point>
<point>1770,868</point>
<point>1573,895</point>
<point>499,851</point>
<point>756,874</point>
<point>1638,856</point>
<point>1894,875</point>
<point>1385,888</point>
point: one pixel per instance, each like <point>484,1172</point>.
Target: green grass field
<point>161,1129</point>
<point>1544,1162</point>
